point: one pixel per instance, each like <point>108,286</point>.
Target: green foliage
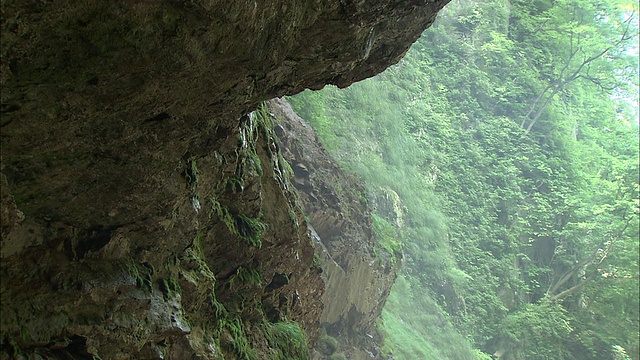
<point>537,331</point>
<point>405,328</point>
<point>387,238</point>
<point>510,134</point>
<point>288,340</point>
<point>482,356</point>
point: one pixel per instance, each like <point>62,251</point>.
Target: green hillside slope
<point>509,136</point>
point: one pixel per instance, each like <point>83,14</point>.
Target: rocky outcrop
<point>202,278</point>
<point>144,215</point>
<point>358,273</point>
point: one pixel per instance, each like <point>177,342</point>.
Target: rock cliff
<point>146,210</point>
<point>358,273</point>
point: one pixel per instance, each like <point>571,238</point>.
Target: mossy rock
<point>338,356</point>
<point>327,345</point>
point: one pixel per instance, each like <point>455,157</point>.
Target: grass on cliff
<point>387,238</point>
<point>288,340</point>
<point>405,328</point>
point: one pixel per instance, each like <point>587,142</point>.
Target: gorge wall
<point>146,212</point>
<point>358,273</point>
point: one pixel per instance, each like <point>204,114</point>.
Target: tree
<point>594,40</point>
<point>506,233</point>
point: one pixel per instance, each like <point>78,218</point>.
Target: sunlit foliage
<point>510,134</point>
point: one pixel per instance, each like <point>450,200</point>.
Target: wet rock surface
<point>144,215</point>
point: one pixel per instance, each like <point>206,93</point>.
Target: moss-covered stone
<point>326,344</point>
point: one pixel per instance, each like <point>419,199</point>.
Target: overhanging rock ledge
<point>142,219</point>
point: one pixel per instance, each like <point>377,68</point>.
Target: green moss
<point>245,277</point>
<point>250,229</point>
<point>386,238</point>
<point>170,288</point>
<point>294,218</point>
<point>288,340</point>
<point>248,162</point>
<point>218,308</point>
<point>239,342</point>
<point>242,225</point>
<point>142,273</point>
<point>264,122</point>
<point>256,162</point>
<point>221,212</point>
<point>24,334</point>
<point>327,345</point>
<point>263,119</point>
<point>286,166</point>
<point>194,254</point>
<point>190,174</point>
<point>196,246</point>
<point>234,184</point>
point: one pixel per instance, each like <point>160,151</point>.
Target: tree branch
<point>560,81</point>
<point>585,262</point>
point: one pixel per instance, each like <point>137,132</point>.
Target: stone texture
<point>134,191</point>
<point>358,273</point>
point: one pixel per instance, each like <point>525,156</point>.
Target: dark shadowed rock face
<point>143,216</point>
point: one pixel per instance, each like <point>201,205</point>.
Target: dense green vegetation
<point>510,134</point>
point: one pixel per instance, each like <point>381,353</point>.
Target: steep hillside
<point>509,134</point>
